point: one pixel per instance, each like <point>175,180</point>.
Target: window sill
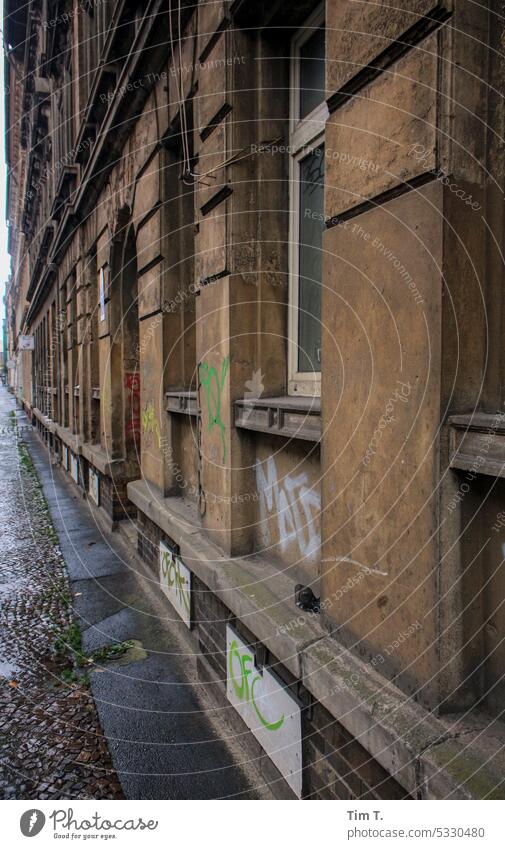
<point>477,443</point>
<point>185,402</point>
<point>296,418</point>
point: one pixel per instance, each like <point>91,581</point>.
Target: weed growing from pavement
<point>69,640</point>
<point>106,654</point>
<point>26,465</point>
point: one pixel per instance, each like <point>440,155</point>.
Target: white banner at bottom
<point>155,824</point>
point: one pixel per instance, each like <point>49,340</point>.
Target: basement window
<point>308,114</point>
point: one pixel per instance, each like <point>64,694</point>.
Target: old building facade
<point>256,313</point>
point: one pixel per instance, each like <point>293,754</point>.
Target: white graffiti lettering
<point>293,503</point>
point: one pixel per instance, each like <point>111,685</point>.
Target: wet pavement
<point>51,742</point>
<point>164,739</point>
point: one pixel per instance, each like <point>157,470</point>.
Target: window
<point>308,114</point>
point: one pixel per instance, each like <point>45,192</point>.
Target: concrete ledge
<point>392,727</point>
<point>73,440</point>
<point>455,770</point>
<point>424,754</point>
<point>93,453</point>
<point>477,443</point>
<point>255,591</point>
<point>47,422</point>
<point>98,458</point>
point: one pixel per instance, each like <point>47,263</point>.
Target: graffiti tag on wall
<point>240,668</point>
<point>175,581</point>
<point>213,384</point>
<point>293,505</point>
<point>267,707</point>
<point>150,424</point>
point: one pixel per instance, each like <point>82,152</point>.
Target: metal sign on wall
<point>26,343</point>
<point>175,581</point>
<point>74,467</point>
<point>94,486</point>
<point>267,708</point>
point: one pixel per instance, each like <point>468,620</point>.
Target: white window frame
<point>305,135</point>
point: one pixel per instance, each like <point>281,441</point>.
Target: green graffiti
<point>245,692</point>
<point>171,572</point>
<point>213,385</point>
<point>150,422</point>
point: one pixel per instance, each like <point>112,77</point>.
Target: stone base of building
<point>90,467</point>
<point>361,737</point>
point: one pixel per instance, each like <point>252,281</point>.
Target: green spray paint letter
<point>241,687</point>
<point>213,385</point>
<point>171,572</point>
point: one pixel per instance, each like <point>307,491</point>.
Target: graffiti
<point>368,570</point>
<point>150,424</point>
<point>242,689</point>
<point>267,707</point>
<point>132,407</point>
<point>175,581</point>
<point>213,385</point>
<point>295,506</point>
<point>254,389</point>
<point>170,570</point>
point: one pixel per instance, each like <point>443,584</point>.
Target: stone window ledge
<point>477,443</point>
<point>296,418</point>
<point>72,440</point>
<point>91,452</point>
<point>185,402</point>
<point>97,457</point>
<point>48,423</point>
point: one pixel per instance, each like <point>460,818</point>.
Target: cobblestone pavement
<point>51,743</point>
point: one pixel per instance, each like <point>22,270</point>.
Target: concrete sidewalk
<point>153,712</point>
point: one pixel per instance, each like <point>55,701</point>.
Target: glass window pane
<point>310,260</point>
<point>312,85</point>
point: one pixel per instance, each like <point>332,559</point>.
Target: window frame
<point>305,135</point>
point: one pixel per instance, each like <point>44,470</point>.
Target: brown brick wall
<point>114,500</point>
<point>338,767</point>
